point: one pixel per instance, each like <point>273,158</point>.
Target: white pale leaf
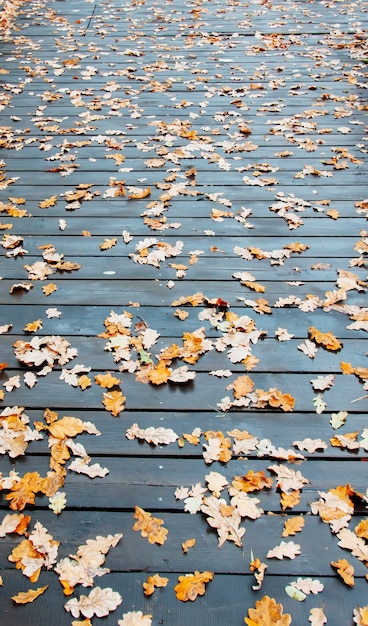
<point>80,466</point>
<point>99,602</point>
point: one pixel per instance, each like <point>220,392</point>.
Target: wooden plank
<point>201,394</point>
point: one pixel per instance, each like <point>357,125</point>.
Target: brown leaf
<point>191,586</point>
<point>150,527</point>
<point>267,613</point>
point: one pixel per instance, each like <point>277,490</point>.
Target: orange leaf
<point>326,340</point>
<point>253,286</point>
<point>362,529</point>
<point>242,386</point>
<point>189,543</point>
<point>28,596</point>
<point>140,194</point>
<point>289,500</point>
<point>150,527</point>
<point>107,380</point>
<point>192,585</point>
<point>347,368</point>
<point>345,570</point>
<point>267,613</point>
<point>159,374</point>
<point>152,582</point>
<point>114,401</point>
<point>84,382</point>
<point>253,481</point>
<point>33,327</point>
<point>23,492</point>
<point>293,525</point>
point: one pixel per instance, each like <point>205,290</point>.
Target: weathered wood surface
<point>83,81</point>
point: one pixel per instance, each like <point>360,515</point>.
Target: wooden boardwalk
<point>184,185</point>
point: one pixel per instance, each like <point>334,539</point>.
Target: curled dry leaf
<point>360,616</point>
<point>191,586</point>
<point>259,570</point>
<point>24,597</point>
<point>345,571</point>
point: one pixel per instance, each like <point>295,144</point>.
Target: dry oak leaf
<point>335,507</point>
<point>100,602</point>
<point>345,571</point>
<point>346,440</point>
<point>287,478</point>
<point>139,194</point>
<point>33,327</point>
<point>67,426</point>
<point>108,243</point>
<point>326,340</point>
<point>107,380</point>
<point>259,570</point>
<point>360,616</point>
<point>85,565</point>
<point>186,545</point>
<point>49,289</point>
<point>252,481</point>
<point>289,500</point>
<point>84,382</point>
<point>23,597</point>
<point>317,617</point>
<point>286,549</point>
<point>194,300</point>
<point>308,585</point>
<point>191,586</point>
<point>24,490</point>
<point>267,613</point>
<point>361,530</point>
<point>218,447</point>
<point>293,525</point>
<point>152,435</point>
<point>311,445</point>
<point>242,386</point>
<point>356,545</point>
<point>150,527</point>
<point>308,348</point>
<point>20,287</point>
<point>82,466</point>
<point>135,618</point>
<point>160,374</point>
<point>14,523</point>
<point>48,202</point>
<point>152,582</point>
<point>225,519</point>
<point>216,483</point>
<point>321,383</point>
<point>114,402</point>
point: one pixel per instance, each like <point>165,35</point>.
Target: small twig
<point>361,398</point>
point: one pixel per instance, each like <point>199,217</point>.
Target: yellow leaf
<point>48,202</point>
<point>326,340</point>
<point>33,327</point>
<point>289,500</point>
<point>108,243</point>
<point>150,527</point>
<point>159,374</point>
<point>28,596</point>
<point>84,382</point>
<point>66,427</point>
<point>191,586</point>
<point>49,289</point>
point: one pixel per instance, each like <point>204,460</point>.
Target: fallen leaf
<point>293,525</point>
<point>186,545</point>
<point>286,549</point>
<point>135,618</point>
<point>23,597</point>
<point>267,613</point>
<point>153,582</point>
<point>99,602</point>
<point>191,586</point>
<point>150,527</point>
<point>317,617</point>
<point>114,402</point>
<point>345,571</point>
